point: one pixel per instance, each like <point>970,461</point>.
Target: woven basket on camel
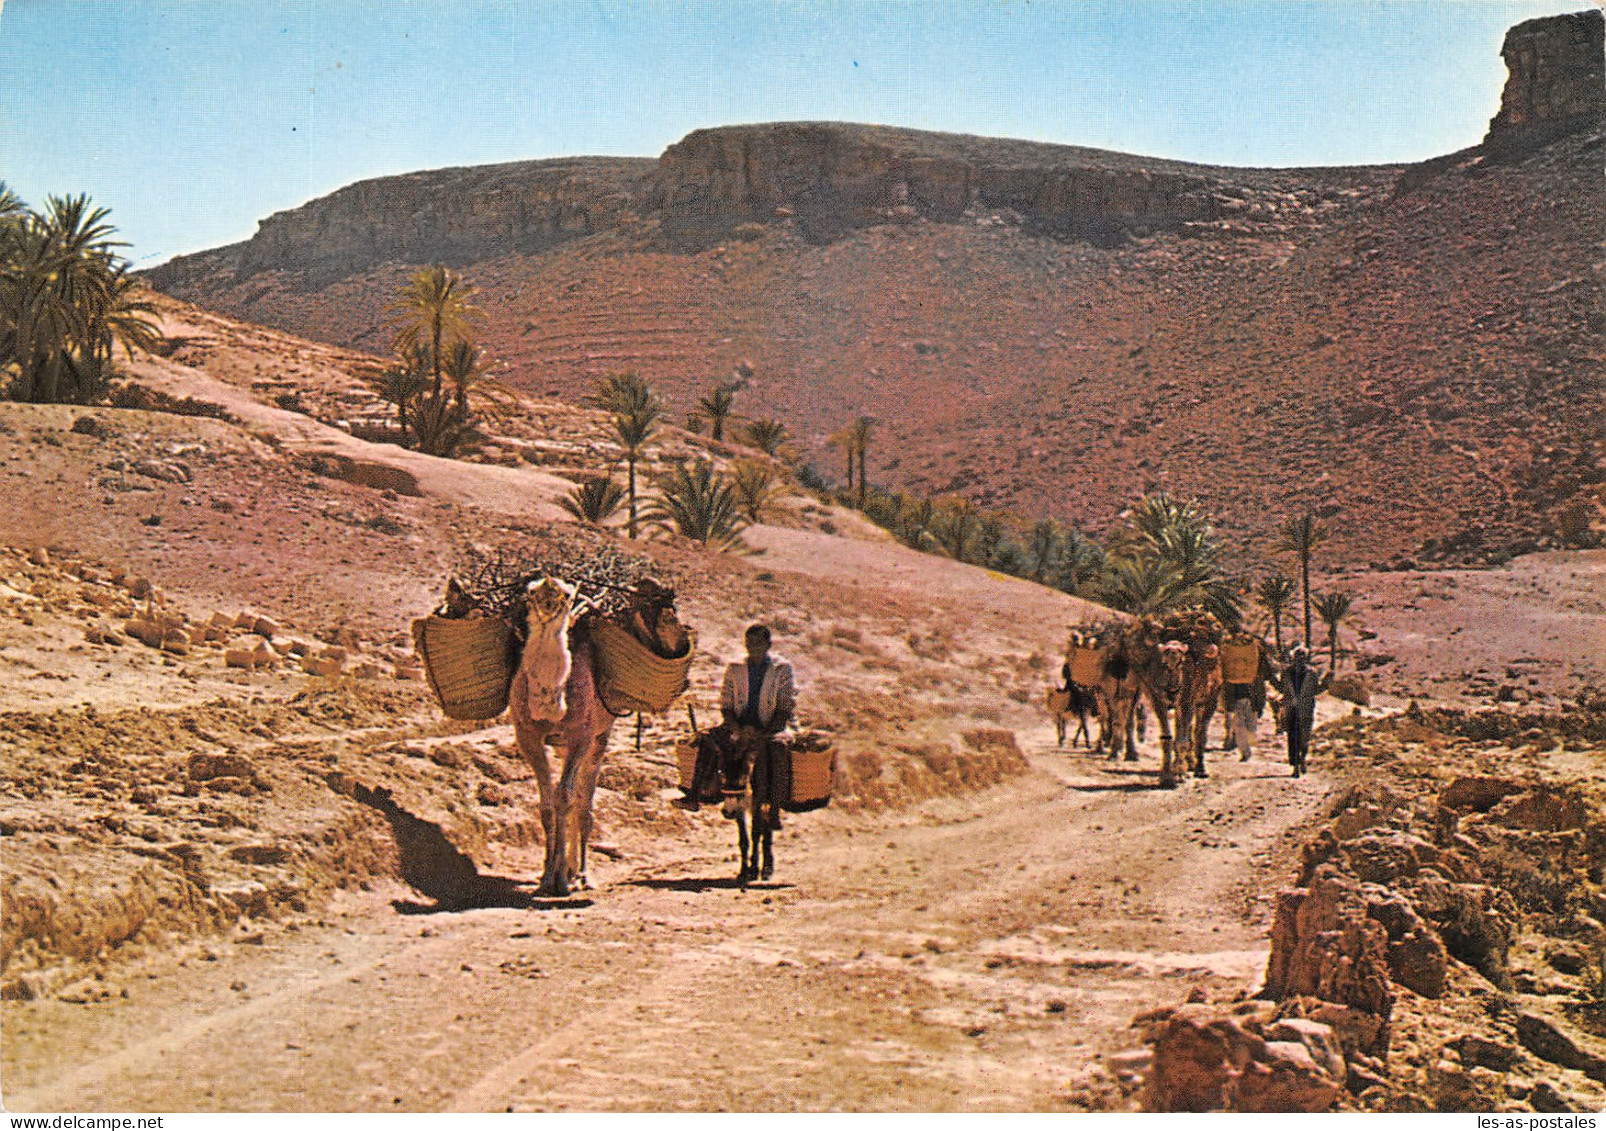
<point>1240,662</point>
<point>632,677</point>
<point>1087,666</point>
<point>1058,701</point>
<point>469,663</point>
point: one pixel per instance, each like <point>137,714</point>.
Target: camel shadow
<point>440,872</point>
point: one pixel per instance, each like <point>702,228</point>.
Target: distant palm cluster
<point>437,367</point>
<point>67,300</point>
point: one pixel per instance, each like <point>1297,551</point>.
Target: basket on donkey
<point>632,677</point>
<point>808,774</point>
<point>1058,700</point>
<point>469,662</point>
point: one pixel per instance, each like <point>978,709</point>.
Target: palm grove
<point>67,301</point>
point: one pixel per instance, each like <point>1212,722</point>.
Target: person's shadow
<point>437,870</point>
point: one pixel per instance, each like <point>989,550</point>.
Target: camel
<point>1110,688</point>
<point>555,701</point>
<point>1201,691</point>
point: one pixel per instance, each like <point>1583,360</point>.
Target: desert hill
<point>1415,352</point>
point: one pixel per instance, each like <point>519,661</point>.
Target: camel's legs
<point>585,789</point>
<point>1201,737</point>
<point>532,737</point>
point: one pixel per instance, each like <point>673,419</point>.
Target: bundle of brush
<point>603,576</point>
<point>1195,627</point>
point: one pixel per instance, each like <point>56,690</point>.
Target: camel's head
<point>1173,655</point>
<point>546,601</point>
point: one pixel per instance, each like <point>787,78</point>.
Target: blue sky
<point>193,119</point>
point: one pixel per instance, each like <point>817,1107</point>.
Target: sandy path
<point>973,953</point>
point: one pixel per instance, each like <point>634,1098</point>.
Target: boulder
<point>1325,945</point>
<point>1207,1062</point>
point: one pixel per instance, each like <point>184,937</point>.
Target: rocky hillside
<point>1046,328</point>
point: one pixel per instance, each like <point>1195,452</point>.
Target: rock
<point>204,766</point>
<point>1478,793</point>
<point>1543,809</point>
<point>163,470</point>
<point>39,556</point>
<point>1548,1041</point>
<point>1207,1062</point>
<point>90,426</point>
<point>1484,1053</point>
<point>1318,1039</point>
<point>264,627</point>
<point>1351,688</point>
<point>32,986</point>
<point>1325,946</point>
<point>259,853</point>
<point>1547,1099</point>
<point>1555,79</point>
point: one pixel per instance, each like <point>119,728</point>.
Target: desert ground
<point>256,829</point>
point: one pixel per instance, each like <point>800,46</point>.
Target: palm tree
<point>860,431</point>
<point>1171,560</point>
<point>989,536</point>
<point>843,439</point>
<point>1043,548</point>
<point>716,406</point>
<point>1081,562</point>
<point>66,299</point>
<point>1300,536</point>
<point>1274,594</point>
<point>1332,608</point>
<point>766,435</point>
<point>403,383</point>
<point>700,505</point>
<point>953,527</point>
<point>1142,585</point>
<point>595,499</point>
<point>433,310</point>
<point>636,412</point>
<point>756,486</point>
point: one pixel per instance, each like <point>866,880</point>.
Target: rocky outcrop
<point>827,177</point>
<point>1247,1061</point>
<point>448,215</point>
<point>1556,81</point>
<point>832,177</point>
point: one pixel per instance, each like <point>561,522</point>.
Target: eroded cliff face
<point>450,215</point>
<point>1557,79</point>
<point>833,177</point>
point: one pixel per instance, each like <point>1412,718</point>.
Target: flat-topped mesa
<point>834,176</point>
<point>450,215</point>
<point>1557,79</point>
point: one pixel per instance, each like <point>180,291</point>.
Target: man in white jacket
<point>756,702</point>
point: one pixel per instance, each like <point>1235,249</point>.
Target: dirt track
<point>983,953</point>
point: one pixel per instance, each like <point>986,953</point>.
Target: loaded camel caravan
<point>1173,662</point>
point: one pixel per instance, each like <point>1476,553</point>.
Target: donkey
<point>751,788</point>
<point>554,701</point>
